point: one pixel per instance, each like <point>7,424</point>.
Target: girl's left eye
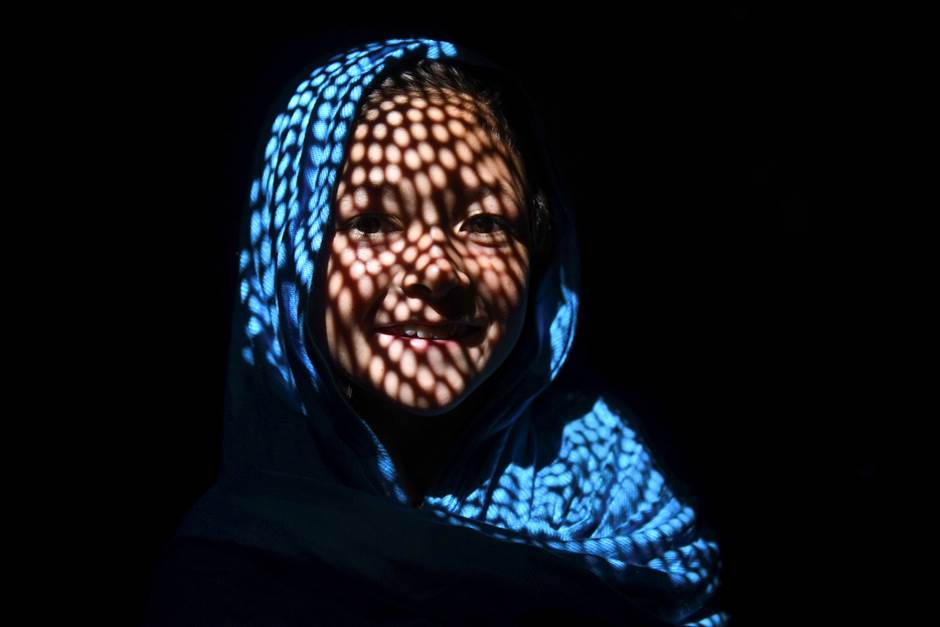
<point>488,221</point>
<point>489,227</point>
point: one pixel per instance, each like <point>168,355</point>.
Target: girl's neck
<point>418,444</point>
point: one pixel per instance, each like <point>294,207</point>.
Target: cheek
<point>503,280</point>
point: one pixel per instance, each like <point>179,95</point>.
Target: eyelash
<point>497,220</point>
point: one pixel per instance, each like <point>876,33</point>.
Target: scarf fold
<point>552,496</point>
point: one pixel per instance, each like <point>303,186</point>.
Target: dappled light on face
<point>428,266</point>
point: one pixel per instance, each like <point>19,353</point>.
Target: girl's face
<point>428,266</point>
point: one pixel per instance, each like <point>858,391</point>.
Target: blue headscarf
<point>554,495</point>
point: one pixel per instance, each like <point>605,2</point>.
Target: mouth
<point>435,333</point>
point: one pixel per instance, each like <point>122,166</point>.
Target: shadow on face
<point>427,267</point>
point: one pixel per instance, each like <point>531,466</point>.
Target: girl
<point>395,451</point>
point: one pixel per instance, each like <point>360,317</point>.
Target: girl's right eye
<point>366,227</point>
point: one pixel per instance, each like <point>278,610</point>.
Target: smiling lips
<point>451,331</point>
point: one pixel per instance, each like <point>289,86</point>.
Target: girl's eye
<point>482,226</point>
<point>367,227</point>
<point>490,226</point>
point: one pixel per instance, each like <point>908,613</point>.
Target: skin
<point>407,244</point>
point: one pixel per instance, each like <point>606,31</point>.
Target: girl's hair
<point>429,77</point>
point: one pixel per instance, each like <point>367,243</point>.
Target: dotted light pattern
<point>602,501</point>
<point>605,501</point>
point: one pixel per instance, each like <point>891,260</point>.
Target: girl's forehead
<point>444,139</point>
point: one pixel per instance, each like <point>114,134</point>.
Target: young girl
<point>395,451</point>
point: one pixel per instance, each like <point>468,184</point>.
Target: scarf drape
<point>553,497</point>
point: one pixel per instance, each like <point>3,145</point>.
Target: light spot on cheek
<point>396,249</point>
<point>391,384</point>
<point>375,153</point>
<point>357,152</point>
<point>442,394</point>
<point>414,115</point>
<point>387,257</point>
<point>396,350</point>
<point>357,270</point>
<point>361,131</point>
<point>437,360</point>
<point>425,379</point>
<point>454,379</point>
<point>366,287</point>
<point>392,173</point>
<point>406,394</point>
<point>376,370</point>
<point>358,176</point>
<point>401,311</point>
<point>347,255</point>
<point>459,357</point>
<point>336,284</point>
<point>376,175</point>
<point>380,131</point>
<point>410,255</point>
<point>394,118</point>
<point>345,302</point>
<point>362,349</point>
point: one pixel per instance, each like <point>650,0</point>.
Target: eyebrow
<point>480,191</point>
<point>472,194</point>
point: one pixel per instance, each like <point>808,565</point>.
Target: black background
<point>690,144</point>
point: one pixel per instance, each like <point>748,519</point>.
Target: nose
<point>437,276</point>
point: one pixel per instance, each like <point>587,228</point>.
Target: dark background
<point>690,145</point>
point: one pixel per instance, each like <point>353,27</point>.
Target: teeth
<point>433,333</point>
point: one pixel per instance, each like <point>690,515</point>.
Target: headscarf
<point>551,497</point>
